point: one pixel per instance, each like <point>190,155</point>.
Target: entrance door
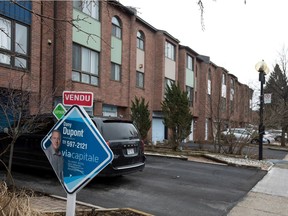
<point>158,130</point>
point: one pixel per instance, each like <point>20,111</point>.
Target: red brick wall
<point>63,48</point>
<point>114,92</point>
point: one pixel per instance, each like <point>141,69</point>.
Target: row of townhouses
<point>105,48</point>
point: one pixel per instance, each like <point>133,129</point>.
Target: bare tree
<point>201,7</point>
<point>20,112</point>
<point>221,110</point>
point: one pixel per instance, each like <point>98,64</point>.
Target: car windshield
<point>119,130</point>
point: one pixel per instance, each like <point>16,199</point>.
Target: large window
<point>140,40</point>
<point>116,28</point>
<point>115,72</point>
<point>224,79</point>
<point>88,7</point>
<point>223,104</point>
<point>232,89</point>
<point>209,82</point>
<point>189,63</point>
<point>14,43</point>
<point>232,92</point>
<point>169,51</point>
<point>85,65</point>
<point>139,79</point>
<point>223,92</point>
<point>168,82</point>
<point>190,93</point>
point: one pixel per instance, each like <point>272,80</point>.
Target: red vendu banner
<point>78,98</point>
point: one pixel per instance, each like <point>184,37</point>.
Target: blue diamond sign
<point>76,149</point>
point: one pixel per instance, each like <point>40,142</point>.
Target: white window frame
<point>89,7</point>
<point>116,27</point>
<point>170,50</point>
<point>224,88</point>
<point>209,83</point>
<point>14,43</point>
<point>139,79</point>
<point>189,63</point>
<point>88,69</point>
<point>115,72</point>
<point>190,95</point>
<point>140,40</point>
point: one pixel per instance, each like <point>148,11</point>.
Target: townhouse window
<point>139,79</point>
<point>189,63</point>
<point>85,65</point>
<point>209,100</point>
<point>89,7</point>
<point>209,83</point>
<point>224,87</point>
<point>140,40</point>
<point>14,43</point>
<point>168,82</point>
<point>232,89</point>
<point>223,104</point>
<point>231,106</point>
<point>190,92</point>
<point>223,79</point>
<point>169,51</point>
<point>231,100</point>
<point>115,72</point>
<point>116,28</point>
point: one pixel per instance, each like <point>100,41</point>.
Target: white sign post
<point>71,204</point>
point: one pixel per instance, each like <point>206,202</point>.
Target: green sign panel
<point>59,111</point>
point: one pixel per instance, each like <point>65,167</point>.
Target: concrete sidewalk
<point>269,196</point>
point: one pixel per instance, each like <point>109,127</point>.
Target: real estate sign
<point>84,150</point>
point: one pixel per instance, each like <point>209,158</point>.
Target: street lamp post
<point>263,69</point>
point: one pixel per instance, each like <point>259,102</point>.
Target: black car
<point>124,140</point>
<point>121,136</point>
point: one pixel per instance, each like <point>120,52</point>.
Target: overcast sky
<point>236,35</point>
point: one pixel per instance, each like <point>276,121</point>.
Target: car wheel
<point>254,141</point>
<point>278,138</point>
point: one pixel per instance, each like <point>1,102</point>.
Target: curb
<point>212,158</point>
<point>278,148</point>
<point>130,210</point>
<point>181,157</point>
<point>269,164</point>
<point>56,205</point>
<point>215,159</point>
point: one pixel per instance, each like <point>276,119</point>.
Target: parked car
<point>246,135</point>
<point>121,136</point>
<point>273,135</point>
<point>124,140</point>
<point>240,134</point>
<point>278,135</point>
<point>256,140</point>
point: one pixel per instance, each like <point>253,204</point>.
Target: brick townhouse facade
<point>105,48</point>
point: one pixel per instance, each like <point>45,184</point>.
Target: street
<point>165,187</point>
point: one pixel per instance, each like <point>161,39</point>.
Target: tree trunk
<point>11,156</point>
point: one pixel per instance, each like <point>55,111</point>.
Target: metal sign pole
<point>71,204</point>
